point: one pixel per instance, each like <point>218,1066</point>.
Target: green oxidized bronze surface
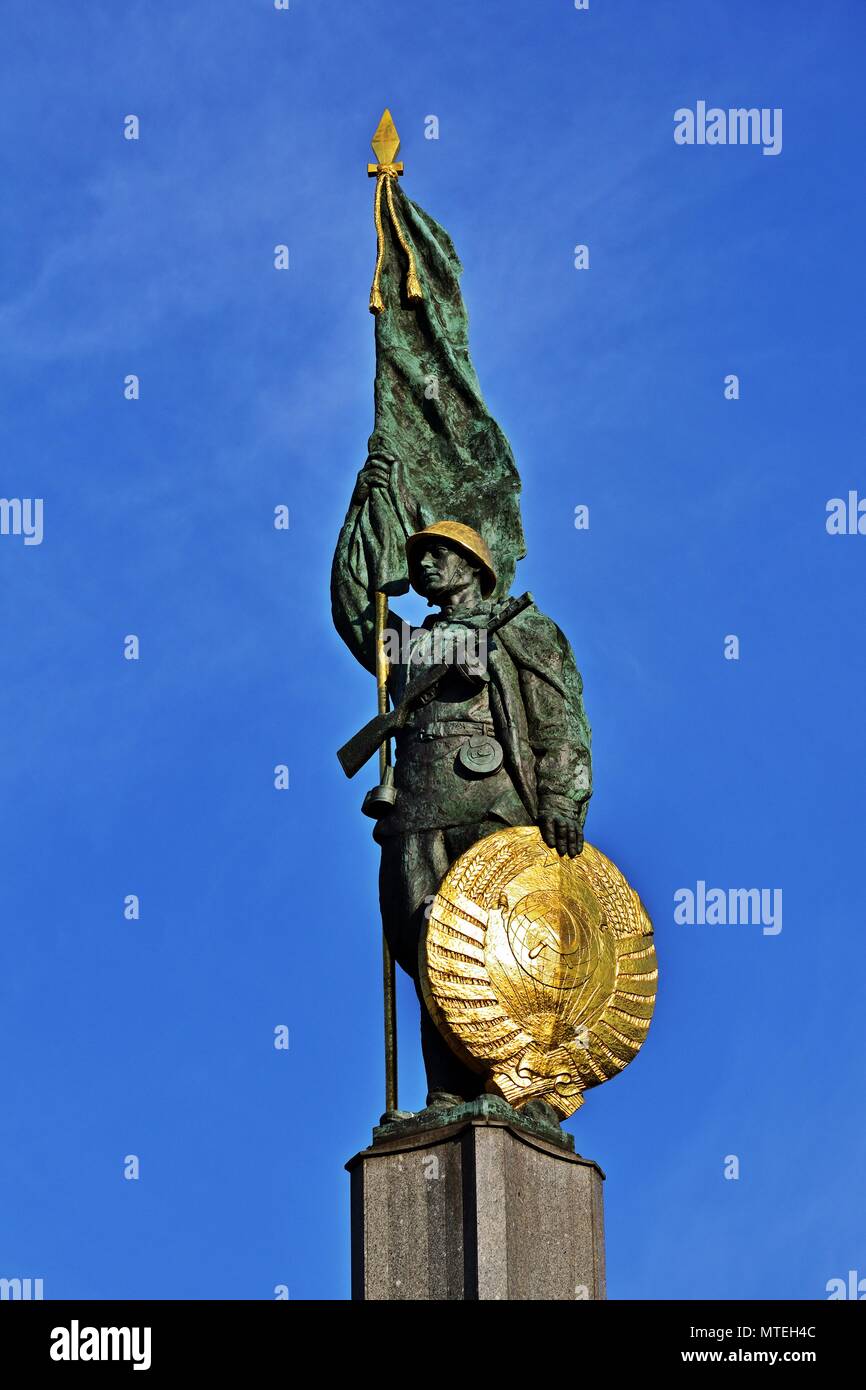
<point>499,744</point>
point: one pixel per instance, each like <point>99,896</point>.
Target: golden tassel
<point>413,287</point>
<point>414,293</point>
<point>377,303</point>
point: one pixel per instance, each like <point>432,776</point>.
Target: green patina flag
<point>451,459</point>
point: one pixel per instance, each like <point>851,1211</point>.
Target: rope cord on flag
<point>384,174</point>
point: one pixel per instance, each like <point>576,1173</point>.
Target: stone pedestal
<point>477,1209</point>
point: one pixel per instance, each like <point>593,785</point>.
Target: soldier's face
<point>441,570</point>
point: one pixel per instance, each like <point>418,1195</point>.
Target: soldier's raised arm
<point>370,552</point>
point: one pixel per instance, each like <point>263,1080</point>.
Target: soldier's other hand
<point>561,834</point>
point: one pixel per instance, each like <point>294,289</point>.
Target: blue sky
<point>707,518</point>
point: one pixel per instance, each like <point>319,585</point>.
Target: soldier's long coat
<point>536,692</point>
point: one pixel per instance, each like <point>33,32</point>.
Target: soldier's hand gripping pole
<point>375,734</point>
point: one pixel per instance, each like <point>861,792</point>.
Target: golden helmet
<point>465,539</point>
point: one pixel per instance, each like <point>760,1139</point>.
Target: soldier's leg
<point>412,869</point>
<point>408,867</point>
<point>445,1072</point>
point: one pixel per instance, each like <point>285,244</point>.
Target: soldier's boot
<point>449,1082</point>
<point>441,1100</point>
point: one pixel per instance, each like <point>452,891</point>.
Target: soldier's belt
<point>445,728</point>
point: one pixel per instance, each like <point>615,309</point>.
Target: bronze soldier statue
<point>502,740</point>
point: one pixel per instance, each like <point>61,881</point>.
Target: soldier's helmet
<point>463,538</point>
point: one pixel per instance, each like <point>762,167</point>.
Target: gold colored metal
<point>389,997</point>
<point>467,538</point>
<point>377,303</point>
<point>381,619</point>
<point>539,970</point>
<point>386,143</point>
<point>413,287</point>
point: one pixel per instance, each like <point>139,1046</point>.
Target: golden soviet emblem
<point>539,971</point>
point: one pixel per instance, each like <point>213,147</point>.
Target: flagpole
<point>388,979</point>
<point>386,144</point>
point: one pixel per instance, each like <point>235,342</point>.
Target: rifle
<point>364,743</point>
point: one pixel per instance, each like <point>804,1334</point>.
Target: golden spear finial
<point>386,144</point>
